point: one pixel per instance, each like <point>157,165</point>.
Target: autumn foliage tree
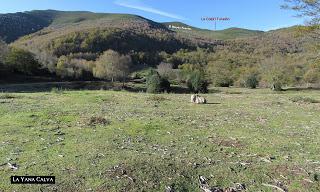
<point>113,66</point>
<point>312,75</point>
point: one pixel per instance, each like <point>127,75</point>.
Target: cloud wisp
<point>145,8</point>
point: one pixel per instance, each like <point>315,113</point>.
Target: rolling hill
<point>96,33</point>
<point>16,25</point>
<point>65,32</point>
<point>231,33</point>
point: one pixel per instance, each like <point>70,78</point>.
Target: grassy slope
<point>157,141</point>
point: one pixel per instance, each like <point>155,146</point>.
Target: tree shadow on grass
<point>80,85</point>
<point>34,87</point>
<point>66,85</point>
<point>179,90</point>
<point>302,89</point>
<point>212,103</point>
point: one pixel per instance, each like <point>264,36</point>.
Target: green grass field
<point>123,141</point>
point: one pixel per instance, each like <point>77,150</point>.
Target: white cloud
<point>125,3</point>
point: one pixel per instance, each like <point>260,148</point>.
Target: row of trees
<point>234,68</point>
<point>110,65</point>
<point>274,72</point>
<point>195,69</point>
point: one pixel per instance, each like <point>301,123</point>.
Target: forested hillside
<point>15,25</point>
<point>231,33</point>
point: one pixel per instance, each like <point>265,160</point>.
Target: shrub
<point>94,121</point>
<point>56,90</point>
<point>197,84</point>
<point>7,96</point>
<point>251,81</point>
<point>300,99</point>
<point>156,83</point>
<point>157,98</point>
<point>153,84</point>
<point>316,177</point>
<point>276,86</point>
<point>223,81</point>
<point>165,84</point>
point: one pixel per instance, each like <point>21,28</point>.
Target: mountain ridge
<point>16,25</point>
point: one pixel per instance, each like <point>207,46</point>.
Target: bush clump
<point>56,90</point>
<point>300,99</point>
<point>157,98</point>
<point>7,96</point>
<point>19,60</point>
<point>223,81</point>
<point>197,83</point>
<point>93,121</point>
<point>252,81</point>
<point>156,83</point>
<point>276,86</point>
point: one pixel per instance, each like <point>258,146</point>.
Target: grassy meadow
<point>123,141</point>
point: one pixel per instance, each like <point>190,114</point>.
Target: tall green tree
<point>197,82</point>
<point>19,60</point>
<point>157,84</point>
<point>195,77</point>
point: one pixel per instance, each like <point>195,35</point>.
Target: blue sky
<point>250,14</point>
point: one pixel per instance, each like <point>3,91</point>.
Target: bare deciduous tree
<point>305,8</point>
<point>164,69</point>
<point>112,65</point>
<point>46,59</point>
